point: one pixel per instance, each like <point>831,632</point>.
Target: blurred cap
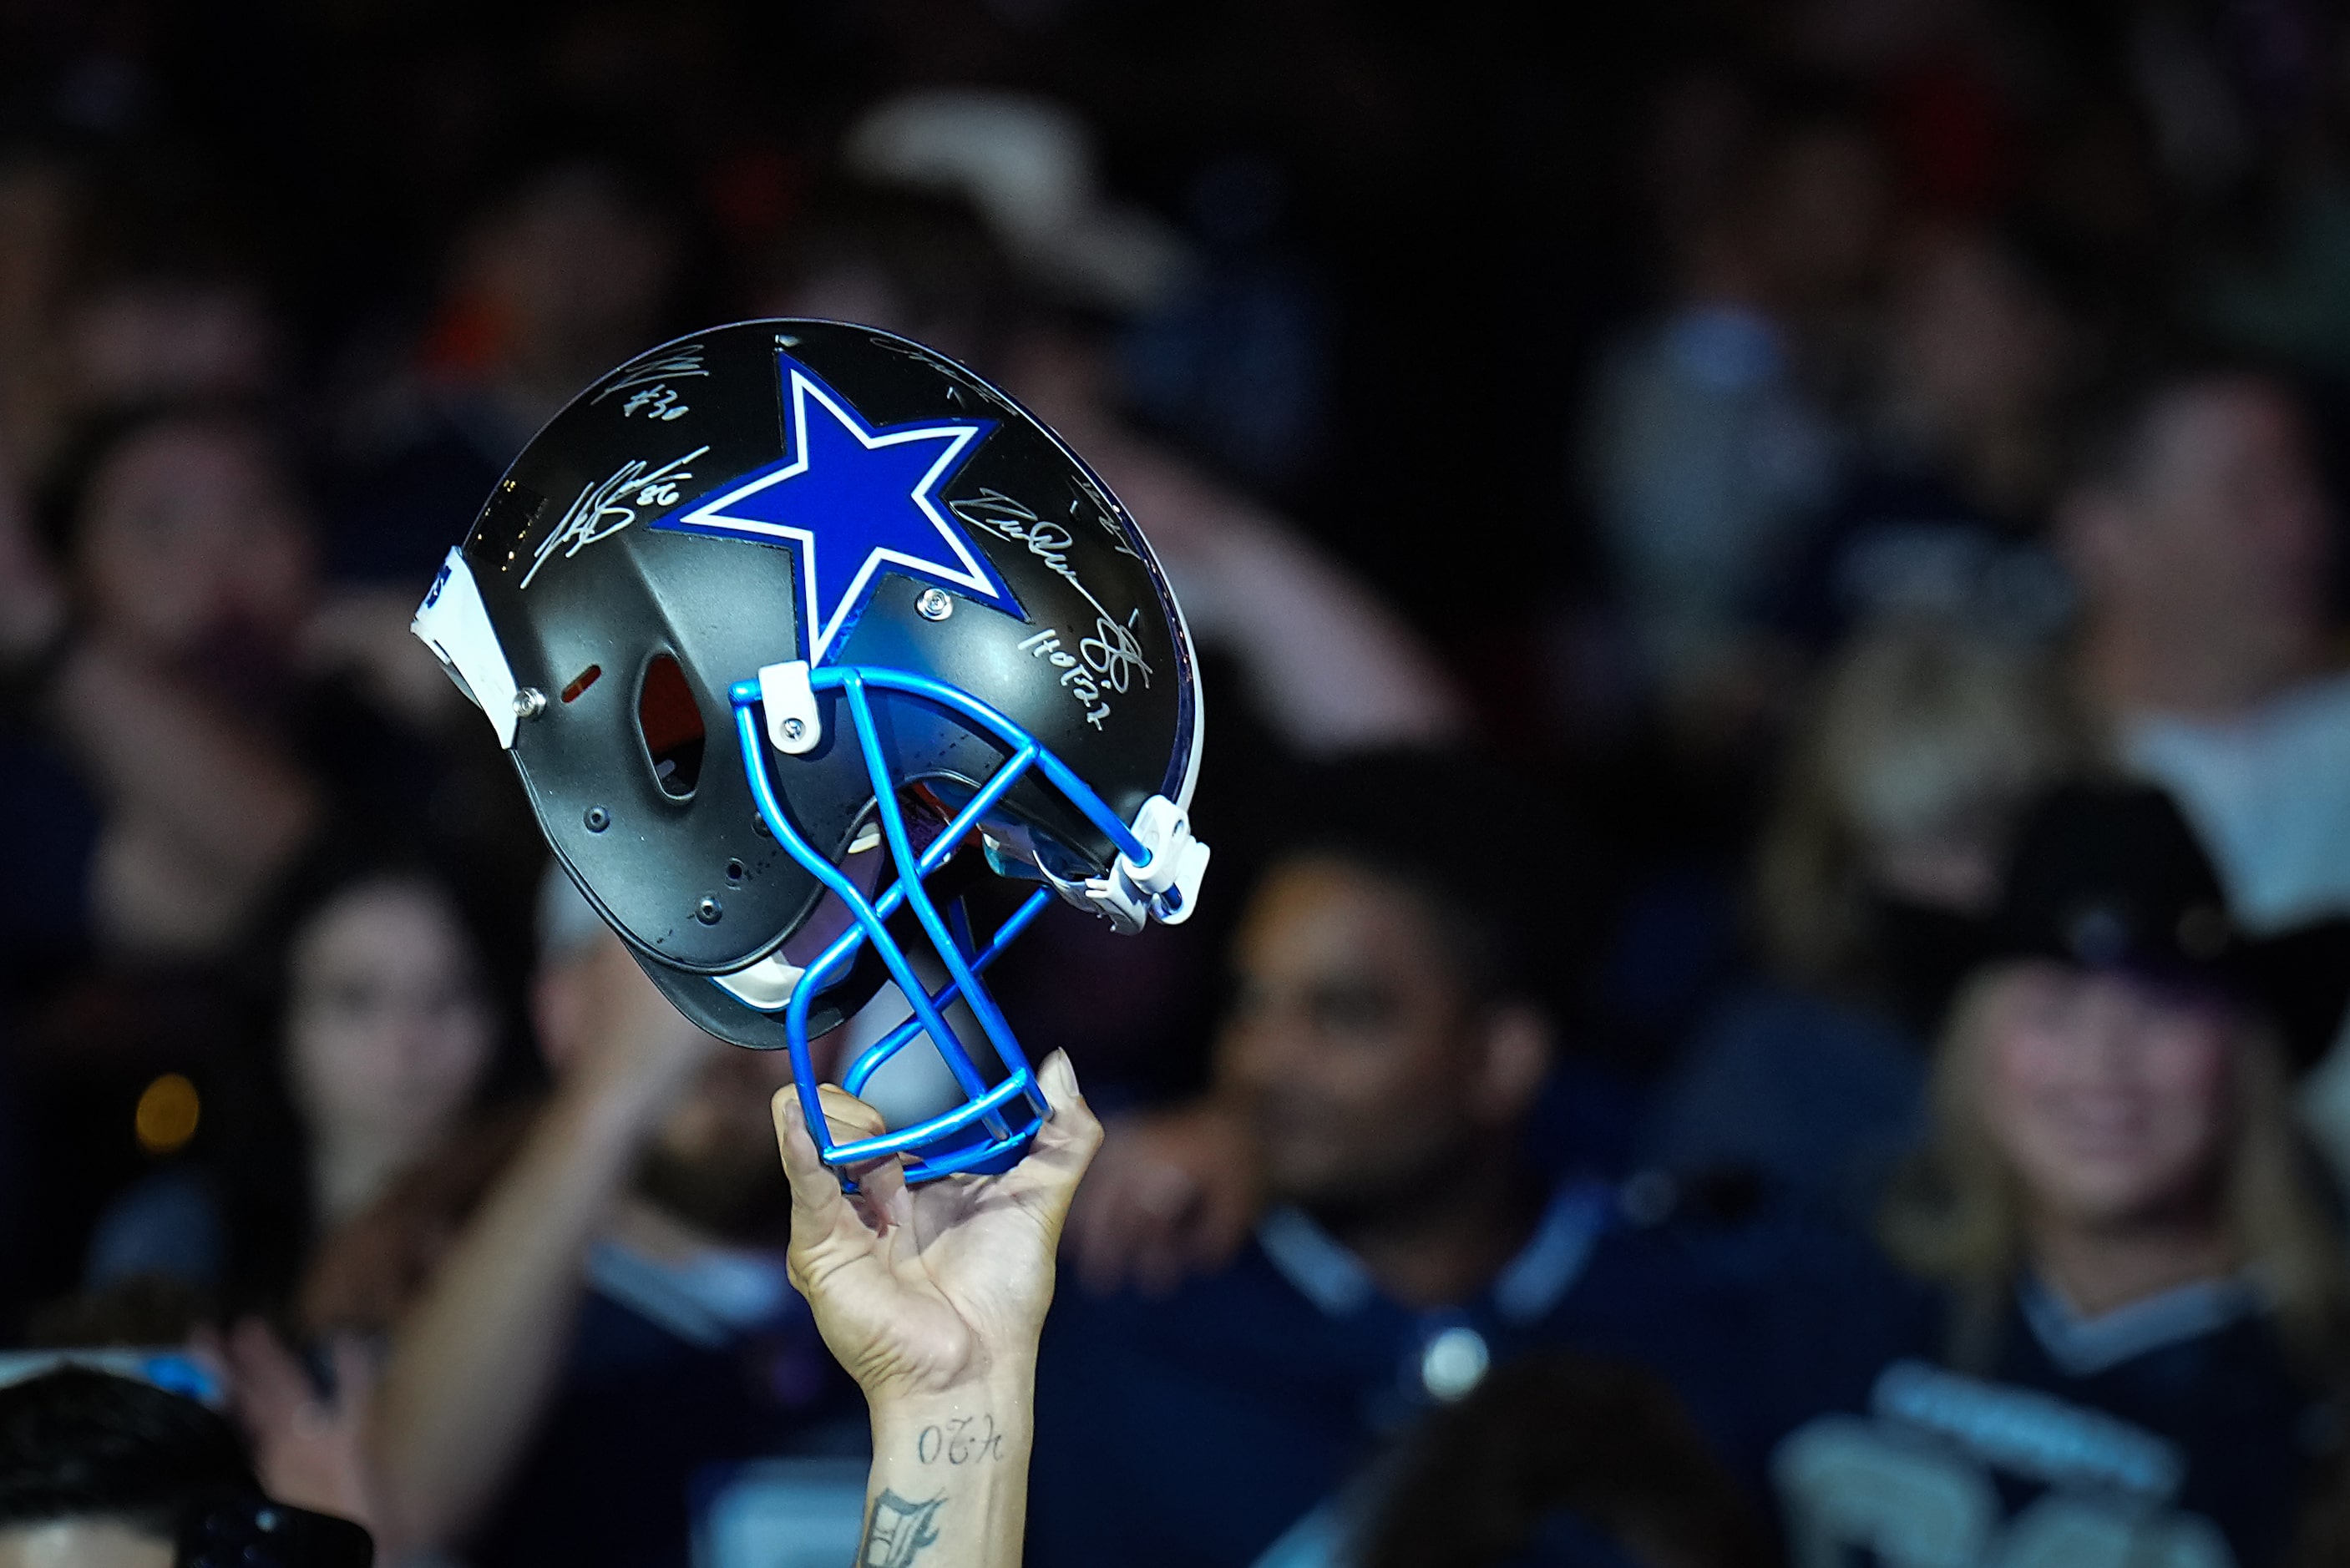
<point>1028,166</point>
<point>2110,876</point>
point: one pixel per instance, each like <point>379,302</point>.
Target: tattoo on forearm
<point>964,1440</point>
<point>897,1530</point>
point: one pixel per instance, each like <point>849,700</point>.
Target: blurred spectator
<point>48,825</point>
<point>611,1332</point>
<point>102,1471</point>
<point>221,711</point>
<point>1325,663</point>
<point>1715,431</point>
<point>572,271</point>
<point>2199,534</point>
<point>1880,858</point>
<point>916,262</point>
<point>1557,1462</point>
<point>1236,363</point>
<point>2144,1291</point>
<point>1954,480</point>
<point>384,1037</point>
<point>191,562</point>
<point>1028,166</point>
<point>1385,1047</point>
<point>43,212</point>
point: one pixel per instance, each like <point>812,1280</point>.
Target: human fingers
<point>1072,1124</point>
<point>880,1183</point>
<point>357,1372</point>
<point>1065,1146</point>
<point>819,1208</point>
<point>269,1387</point>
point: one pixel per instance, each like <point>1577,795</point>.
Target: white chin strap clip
<point>1167,888</point>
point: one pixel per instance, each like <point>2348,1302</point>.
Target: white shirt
<point>2268,789</point>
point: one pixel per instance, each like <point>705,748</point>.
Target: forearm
<point>474,1359</point>
<point>949,1487</point>
<point>1332,665</point>
<point>216,787</point>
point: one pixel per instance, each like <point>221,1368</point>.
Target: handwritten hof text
<point>1108,660</point>
<point>1115,647</point>
<point>604,509</point>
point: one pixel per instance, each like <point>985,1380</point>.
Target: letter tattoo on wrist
<point>966,1439</point>
<point>897,1530</point>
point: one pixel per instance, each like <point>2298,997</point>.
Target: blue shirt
<point>2171,1430</point>
<point>1197,1427</point>
<point>675,1377</point>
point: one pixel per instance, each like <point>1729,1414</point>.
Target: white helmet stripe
<point>455,625</point>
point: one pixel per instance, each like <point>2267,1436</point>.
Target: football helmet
<point>794,628</point>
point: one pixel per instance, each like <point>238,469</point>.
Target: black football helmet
<point>790,627</point>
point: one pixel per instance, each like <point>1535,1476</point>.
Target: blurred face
<point>389,1031</point>
<point>1973,340</point>
<point>1351,1042</point>
<point>1820,213</point>
<point>1953,865</point>
<point>2109,1097</point>
<point>576,277</point>
<point>82,1543</point>
<point>191,537</point>
<point>2224,525</point>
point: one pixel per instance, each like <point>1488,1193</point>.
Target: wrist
<point>948,1427</point>
<point>1008,1393</point>
<point>950,1471</point>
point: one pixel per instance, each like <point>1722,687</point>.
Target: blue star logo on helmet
<point>856,500</point>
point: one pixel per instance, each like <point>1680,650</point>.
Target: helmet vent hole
<point>581,681</point>
<point>671,724</point>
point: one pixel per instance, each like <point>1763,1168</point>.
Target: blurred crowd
<point>1771,576</point>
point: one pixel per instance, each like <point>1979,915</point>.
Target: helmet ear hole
<point>668,721</point>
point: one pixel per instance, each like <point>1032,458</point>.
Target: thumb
<point>817,1203</point>
<point>1065,1146</point>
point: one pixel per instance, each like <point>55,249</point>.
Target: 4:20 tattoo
<point>964,1440</point>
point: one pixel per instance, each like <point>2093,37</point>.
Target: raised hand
<point>307,1444</point>
<point>922,1290</point>
<point>932,1298</point>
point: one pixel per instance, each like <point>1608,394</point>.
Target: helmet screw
<point>936,603</point>
<point>597,819</point>
<point>529,702</point>
<point>794,728</point>
<point>709,911</point>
